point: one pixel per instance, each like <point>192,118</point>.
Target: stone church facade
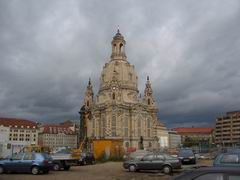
<point>118,111</point>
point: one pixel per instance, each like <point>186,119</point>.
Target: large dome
<point>122,72</point>
<point>118,69</point>
<point>118,72</point>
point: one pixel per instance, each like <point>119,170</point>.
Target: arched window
<point>113,96</point>
<point>121,47</point>
<point>87,103</point>
<point>139,127</point>
<point>149,101</point>
<point>148,127</point>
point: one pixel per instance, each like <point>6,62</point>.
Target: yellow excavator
<point>76,153</point>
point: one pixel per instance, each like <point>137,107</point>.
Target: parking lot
<point>103,171</point>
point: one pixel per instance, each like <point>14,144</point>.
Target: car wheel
<point>167,169</point>
<point>1,170</point>
<point>35,170</point>
<point>56,167</point>
<point>132,168</point>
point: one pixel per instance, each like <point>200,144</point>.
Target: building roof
<point>56,129</point>
<point>18,123</point>
<point>193,130</point>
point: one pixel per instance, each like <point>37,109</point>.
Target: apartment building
<point>227,129</point>
<point>54,136</point>
<point>16,134</point>
<point>195,134</point>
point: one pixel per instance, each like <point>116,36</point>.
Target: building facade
<point>162,135</point>
<point>21,133</point>
<point>118,111</point>
<point>227,129</point>
<point>174,139</point>
<point>4,141</point>
<point>195,135</point>
<point>54,136</point>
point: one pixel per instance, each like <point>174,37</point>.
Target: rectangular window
<point>139,127</point>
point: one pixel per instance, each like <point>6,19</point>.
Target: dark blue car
<point>186,155</point>
<point>34,163</point>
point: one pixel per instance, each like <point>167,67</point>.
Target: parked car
<point>227,160</point>
<point>210,173</point>
<point>87,158</point>
<point>186,155</point>
<point>27,162</point>
<point>159,161</point>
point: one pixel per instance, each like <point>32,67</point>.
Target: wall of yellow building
<point>108,149</point>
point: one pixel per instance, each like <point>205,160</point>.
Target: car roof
<point>219,169</point>
<point>229,153</point>
<point>203,170</point>
<point>214,170</point>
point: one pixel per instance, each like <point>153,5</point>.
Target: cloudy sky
<point>190,50</point>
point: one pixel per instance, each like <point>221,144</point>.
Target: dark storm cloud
<point>190,50</point>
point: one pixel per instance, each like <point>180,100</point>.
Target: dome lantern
<point>118,47</point>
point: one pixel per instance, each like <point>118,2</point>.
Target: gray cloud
<point>190,50</point>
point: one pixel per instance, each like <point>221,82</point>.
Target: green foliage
<point>189,142</point>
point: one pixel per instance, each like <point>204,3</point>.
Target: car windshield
<point>17,156</point>
<point>185,153</point>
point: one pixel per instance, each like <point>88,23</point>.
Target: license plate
<point>186,160</point>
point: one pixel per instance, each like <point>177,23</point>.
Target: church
<point>118,111</point>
